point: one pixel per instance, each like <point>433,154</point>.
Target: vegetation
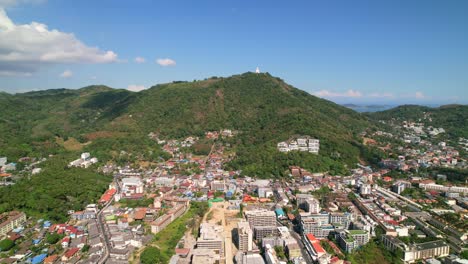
<point>152,255</point>
<point>105,121</point>
<point>166,240</point>
<point>451,117</point>
<point>135,203</point>
<point>372,253</point>
<point>6,244</point>
<point>55,190</point>
<point>52,238</point>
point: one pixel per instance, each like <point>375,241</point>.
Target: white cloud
<point>140,60</point>
<point>9,3</point>
<point>135,87</point>
<point>166,62</point>
<point>419,95</point>
<point>93,77</point>
<point>382,95</point>
<point>66,74</point>
<point>27,47</point>
<point>327,93</point>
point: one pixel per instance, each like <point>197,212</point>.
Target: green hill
<point>263,108</point>
<point>453,118</point>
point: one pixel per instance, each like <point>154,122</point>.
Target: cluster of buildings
<point>84,161</point>
<point>300,144</point>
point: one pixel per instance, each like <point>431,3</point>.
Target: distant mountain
<point>263,108</point>
<point>367,108</point>
<point>453,118</point>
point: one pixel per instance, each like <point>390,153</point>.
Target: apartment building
<point>10,220</point>
<point>244,236</point>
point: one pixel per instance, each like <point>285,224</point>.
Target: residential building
<point>11,220</point>
<point>244,236</point>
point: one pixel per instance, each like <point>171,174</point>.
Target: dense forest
<point>55,190</point>
<point>264,109</point>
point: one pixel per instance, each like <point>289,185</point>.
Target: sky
<point>364,52</point>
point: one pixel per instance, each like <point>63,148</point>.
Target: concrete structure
<point>410,254</point>
<point>244,236</point>
<point>10,220</point>
<point>211,238</point>
<point>443,188</point>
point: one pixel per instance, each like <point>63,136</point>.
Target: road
<point>298,238</point>
<point>103,233</point>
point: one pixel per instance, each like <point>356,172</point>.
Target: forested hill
<point>453,118</point>
<point>263,108</point>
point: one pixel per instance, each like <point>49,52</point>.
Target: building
<point>270,255</point>
<point>411,253</point>
<point>244,236</point>
<point>205,256</point>
<point>342,219</point>
<point>365,189</point>
<point>211,238</point>
<point>443,188</point>
<point>218,186</point>
<point>249,258</point>
<point>257,218</point>
<point>301,199</point>
<point>265,231</point>
<point>161,222</point>
<point>11,220</point>
<point>312,245</point>
<point>312,206</point>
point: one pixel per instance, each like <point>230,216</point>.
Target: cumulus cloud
<point>419,95</point>
<point>166,62</point>
<point>327,93</point>
<point>140,60</point>
<point>27,47</point>
<point>66,74</point>
<point>135,87</point>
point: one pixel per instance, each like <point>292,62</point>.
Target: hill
<point>263,108</point>
<point>453,118</point>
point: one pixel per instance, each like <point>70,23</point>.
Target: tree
<point>6,244</point>
<point>52,238</point>
<point>152,255</point>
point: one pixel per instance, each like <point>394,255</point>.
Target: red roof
<point>182,251</point>
<point>107,196</point>
<point>311,237</point>
<point>140,214</point>
<point>318,248</point>
<point>50,259</point>
<point>71,252</point>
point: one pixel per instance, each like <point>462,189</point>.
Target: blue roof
<point>279,211</point>
<point>38,259</point>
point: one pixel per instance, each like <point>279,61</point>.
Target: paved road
<point>103,233</point>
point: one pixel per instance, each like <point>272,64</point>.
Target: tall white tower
<point>257,70</point>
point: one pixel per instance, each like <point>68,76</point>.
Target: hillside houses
<point>300,144</point>
<point>84,161</point>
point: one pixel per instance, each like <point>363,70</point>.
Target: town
<point>228,217</point>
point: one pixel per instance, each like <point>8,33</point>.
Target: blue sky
<point>346,51</point>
